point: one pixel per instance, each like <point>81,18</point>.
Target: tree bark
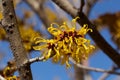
<point>9,23</point>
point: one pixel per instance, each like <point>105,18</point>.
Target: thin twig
<point>94,69</point>
<point>105,75</point>
<point>95,35</point>
<point>30,61</point>
<point>37,59</point>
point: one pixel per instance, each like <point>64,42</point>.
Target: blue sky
<point>49,71</point>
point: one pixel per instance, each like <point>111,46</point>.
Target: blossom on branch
<point>67,42</point>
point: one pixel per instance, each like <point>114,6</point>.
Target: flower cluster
<point>8,74</point>
<point>27,35</point>
<point>67,42</point>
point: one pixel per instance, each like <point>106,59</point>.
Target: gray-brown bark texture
<point>9,23</point>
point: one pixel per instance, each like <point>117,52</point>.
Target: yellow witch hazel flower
<point>28,34</point>
<point>68,42</point>
<point>8,74</point>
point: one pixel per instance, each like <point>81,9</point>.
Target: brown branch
<point>95,35</point>
<point>82,5</point>
<point>10,25</point>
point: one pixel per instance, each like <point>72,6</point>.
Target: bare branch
<point>94,69</point>
<point>35,59</point>
<point>10,25</point>
<point>95,35</point>
<point>105,75</point>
